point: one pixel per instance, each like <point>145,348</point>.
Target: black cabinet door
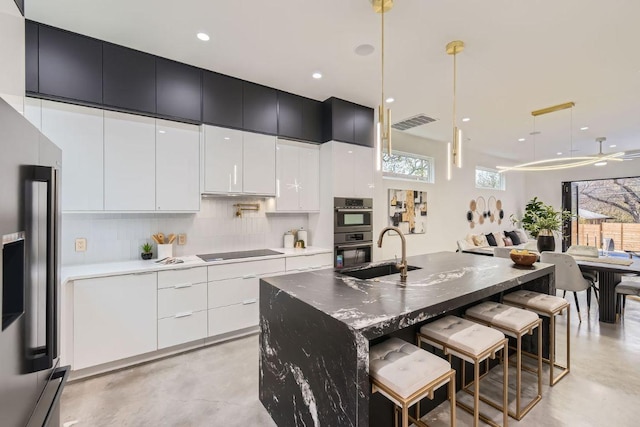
<point>128,79</point>
<point>70,65</point>
<point>290,115</point>
<point>259,109</point>
<point>342,118</point>
<point>363,126</point>
<point>221,100</point>
<point>312,120</point>
<point>31,56</point>
<point>178,90</point>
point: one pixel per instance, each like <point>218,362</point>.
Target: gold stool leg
<point>505,385</point>
<point>540,359</point>
<point>476,397</point>
<point>405,416</point>
<point>452,398</point>
<point>518,374</point>
<point>552,346</point>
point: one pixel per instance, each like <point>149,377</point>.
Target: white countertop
<point>75,272</point>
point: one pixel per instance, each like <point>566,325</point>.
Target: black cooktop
<point>235,255</point>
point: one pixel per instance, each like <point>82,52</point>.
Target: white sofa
<point>477,246</point>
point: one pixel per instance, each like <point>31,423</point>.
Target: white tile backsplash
<point>118,237</point>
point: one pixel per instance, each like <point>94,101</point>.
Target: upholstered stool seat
<point>549,306</point>
<point>404,373</point>
<point>472,343</point>
<point>516,323</point>
<point>630,285</point>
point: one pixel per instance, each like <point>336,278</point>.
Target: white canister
<point>302,235</point>
<point>288,240</point>
<point>165,250</point>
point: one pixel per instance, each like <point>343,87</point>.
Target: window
<point>407,166</point>
<point>489,178</point>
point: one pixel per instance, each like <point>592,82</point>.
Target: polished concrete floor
<point>218,386</point>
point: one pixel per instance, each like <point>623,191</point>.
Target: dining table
<point>610,271</point>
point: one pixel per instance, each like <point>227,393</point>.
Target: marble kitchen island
<point>317,327</point>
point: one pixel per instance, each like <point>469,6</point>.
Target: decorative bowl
<point>146,255</point>
<point>524,259</point>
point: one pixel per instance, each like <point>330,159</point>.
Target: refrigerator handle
<point>42,357</point>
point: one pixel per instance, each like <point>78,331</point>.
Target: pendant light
<point>454,148</point>
<point>558,163</point>
<point>383,126</point>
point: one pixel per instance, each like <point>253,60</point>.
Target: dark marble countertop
<point>374,307</point>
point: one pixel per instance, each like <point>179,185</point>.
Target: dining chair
<point>569,277</point>
<point>586,251</point>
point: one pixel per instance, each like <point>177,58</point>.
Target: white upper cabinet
<point>259,164</point>
<point>78,131</point>
<point>177,166</point>
<point>352,170</point>
<point>129,162</point>
<point>238,162</point>
<point>223,160</point>
<point>297,177</point>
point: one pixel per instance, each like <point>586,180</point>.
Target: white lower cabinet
<point>233,294</point>
<point>182,306</point>
<point>114,318</point>
<point>309,262</point>
<point>182,328</point>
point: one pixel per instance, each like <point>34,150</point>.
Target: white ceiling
<point>519,56</point>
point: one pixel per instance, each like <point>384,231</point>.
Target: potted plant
<point>146,251</point>
<point>541,220</point>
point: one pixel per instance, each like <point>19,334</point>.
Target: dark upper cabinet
<point>221,100</point>
<point>31,56</point>
<point>290,115</point>
<point>178,90</point>
<point>70,65</point>
<point>259,109</point>
<point>20,4</point>
<point>128,79</point>
<point>312,120</point>
<point>348,122</point>
<point>363,126</point>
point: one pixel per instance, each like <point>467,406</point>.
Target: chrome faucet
<point>403,262</point>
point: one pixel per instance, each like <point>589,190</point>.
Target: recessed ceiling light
<point>203,36</point>
<point>364,50</point>
<point>584,128</point>
<point>389,100</point>
<point>227,138</point>
<point>600,164</point>
<point>466,119</point>
<point>316,75</point>
<point>350,152</point>
<point>521,140</point>
<point>612,146</point>
<point>559,153</point>
<point>161,131</point>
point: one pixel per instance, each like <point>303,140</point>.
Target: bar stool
<point>516,323</point>
<point>630,285</point>
<point>404,374</point>
<point>548,306</point>
<point>472,343</point>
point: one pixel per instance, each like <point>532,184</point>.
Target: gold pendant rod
<point>553,109</point>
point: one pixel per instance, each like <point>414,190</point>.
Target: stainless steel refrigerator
<point>31,380</point>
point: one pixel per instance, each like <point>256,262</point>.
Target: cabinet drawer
<point>179,330</point>
<point>183,276</point>
<point>233,291</point>
<point>180,299</point>
<point>309,262</point>
<point>232,318</point>
<point>246,269</point>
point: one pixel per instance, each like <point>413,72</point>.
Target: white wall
<point>12,73</point>
<point>448,201</point>
<point>118,237</point>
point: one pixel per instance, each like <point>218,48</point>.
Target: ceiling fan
<point>628,155</point>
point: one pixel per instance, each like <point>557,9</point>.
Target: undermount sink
<point>374,271</point>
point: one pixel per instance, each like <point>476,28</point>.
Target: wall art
<point>408,210</point>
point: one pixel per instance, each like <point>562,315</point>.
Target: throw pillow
<point>469,239</point>
<point>507,241</point>
<point>499,239</point>
<point>513,236</point>
<point>522,235</point>
<point>491,239</point>
<point>480,240</point>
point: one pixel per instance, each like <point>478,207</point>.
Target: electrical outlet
<point>81,244</point>
<point>182,239</point>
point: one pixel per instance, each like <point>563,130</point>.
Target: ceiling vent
<point>412,122</point>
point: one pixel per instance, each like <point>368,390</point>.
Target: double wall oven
<point>352,231</point>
